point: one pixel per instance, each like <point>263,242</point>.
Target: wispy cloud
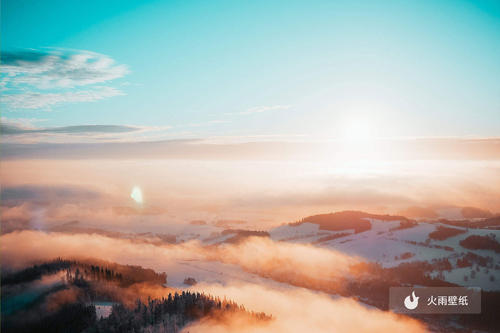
<point>13,129</point>
<point>37,100</point>
<point>36,79</point>
<point>24,131</point>
<point>59,68</point>
<point>260,109</point>
<point>208,123</point>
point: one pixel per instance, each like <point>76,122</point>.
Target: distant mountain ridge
<point>349,219</point>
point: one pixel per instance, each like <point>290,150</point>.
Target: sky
<point>154,70</point>
<point>264,111</point>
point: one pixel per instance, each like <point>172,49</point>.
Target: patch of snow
<point>290,231</point>
<point>418,233</point>
<point>214,272</point>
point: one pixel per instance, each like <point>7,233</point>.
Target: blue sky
<point>253,68</point>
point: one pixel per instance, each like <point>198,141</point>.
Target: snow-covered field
<point>390,247</point>
<point>212,272</point>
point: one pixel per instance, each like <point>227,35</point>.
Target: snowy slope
<point>390,246</point>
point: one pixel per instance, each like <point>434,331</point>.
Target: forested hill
<point>94,269</point>
<point>62,296</point>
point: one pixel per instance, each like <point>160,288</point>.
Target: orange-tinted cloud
<point>300,310</point>
<point>294,310</point>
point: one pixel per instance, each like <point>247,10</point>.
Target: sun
<point>357,129</point>
<point>136,194</point>
<point>355,140</point>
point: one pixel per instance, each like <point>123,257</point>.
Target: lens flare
<point>136,194</point>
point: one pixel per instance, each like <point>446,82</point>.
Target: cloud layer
<point>262,192</point>
<point>300,310</point>
<point>388,150</point>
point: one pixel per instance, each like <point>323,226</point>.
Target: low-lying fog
<point>295,309</point>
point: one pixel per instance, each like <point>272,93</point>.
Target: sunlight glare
<point>357,129</point>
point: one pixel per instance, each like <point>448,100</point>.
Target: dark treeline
<point>165,315</point>
<point>478,242</point>
<point>486,223</point>
<point>240,235</point>
<point>344,220</point>
<point>169,314</point>
<point>36,271</point>
<point>99,270</point>
<point>71,317</point>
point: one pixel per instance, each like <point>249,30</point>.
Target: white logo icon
<point>409,303</point>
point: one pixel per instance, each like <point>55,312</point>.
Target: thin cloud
<point>34,79</point>
<point>23,130</point>
<point>59,69</point>
<point>255,148</point>
<point>7,129</point>
<point>260,109</point>
<point>37,100</point>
